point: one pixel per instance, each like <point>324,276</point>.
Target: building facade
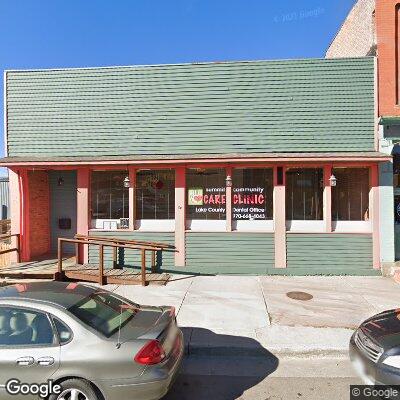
<point>264,167</point>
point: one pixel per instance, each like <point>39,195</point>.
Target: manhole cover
<point>303,296</point>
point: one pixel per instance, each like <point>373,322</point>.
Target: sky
<point>88,33</point>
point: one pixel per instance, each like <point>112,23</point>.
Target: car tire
<point>81,385</point>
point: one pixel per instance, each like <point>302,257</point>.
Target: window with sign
<point>252,194</point>
<point>109,200</point>
<point>206,194</point>
<point>304,194</point>
<point>350,196</point>
<point>155,195</point>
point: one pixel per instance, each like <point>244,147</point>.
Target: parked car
<point>90,342</point>
<point>375,349</point>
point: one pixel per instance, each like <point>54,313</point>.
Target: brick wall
<point>387,11</point>
<point>356,37</point>
<point>39,200</point>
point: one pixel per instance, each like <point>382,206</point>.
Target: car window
<point>104,312</point>
<point>22,327</point>
<point>64,333</point>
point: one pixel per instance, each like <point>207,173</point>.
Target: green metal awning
<point>390,121</point>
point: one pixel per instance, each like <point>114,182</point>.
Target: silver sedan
<point>69,341</point>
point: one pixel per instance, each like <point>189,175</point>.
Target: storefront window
<point>206,198</point>
<point>252,194</point>
<point>350,196</point>
<point>109,200</point>
<point>304,194</point>
<point>155,195</point>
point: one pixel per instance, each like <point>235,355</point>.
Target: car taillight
<point>151,353</point>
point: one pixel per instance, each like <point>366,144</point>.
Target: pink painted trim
<point>376,104</point>
<point>374,207</point>
<point>327,199</point>
<point>239,161</point>
<point>15,211</point>
<point>280,220</point>
<point>229,172</point>
<point>83,210</point>
<point>131,197</point>
<point>180,216</point>
<point>25,211</point>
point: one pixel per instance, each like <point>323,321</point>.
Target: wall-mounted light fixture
<point>333,180</point>
<point>228,181</point>
<point>127,182</point>
<point>60,181</point>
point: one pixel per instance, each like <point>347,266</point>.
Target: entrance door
<point>63,187</point>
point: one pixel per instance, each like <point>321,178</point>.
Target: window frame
<point>150,225</point>
<point>325,225</point>
<point>91,220</point>
<point>206,225</point>
<point>300,225</point>
<point>265,225</point>
<point>353,226</point>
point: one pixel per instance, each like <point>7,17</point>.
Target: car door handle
<point>45,361</point>
<point>25,361</point>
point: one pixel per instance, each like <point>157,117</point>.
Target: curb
<point>260,352</point>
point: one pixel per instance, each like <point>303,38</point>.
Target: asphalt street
<point>255,379</point>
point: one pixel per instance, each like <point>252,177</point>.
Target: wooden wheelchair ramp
<point>66,266</point>
<point>117,274</point>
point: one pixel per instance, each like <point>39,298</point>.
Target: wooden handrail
<point>101,245</point>
<point>111,244</point>
<point>17,248</point>
<point>156,245</point>
<point>151,246</point>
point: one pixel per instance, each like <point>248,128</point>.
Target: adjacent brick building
<point>372,28</point>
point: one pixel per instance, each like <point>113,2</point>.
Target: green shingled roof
<point>314,105</point>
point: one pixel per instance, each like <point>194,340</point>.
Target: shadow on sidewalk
<point>221,367</point>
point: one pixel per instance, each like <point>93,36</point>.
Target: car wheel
<point>75,389</point>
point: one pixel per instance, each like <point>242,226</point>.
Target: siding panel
<point>229,253</point>
<point>329,253</point>
<point>235,107</point>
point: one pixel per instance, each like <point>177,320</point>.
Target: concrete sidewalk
<point>233,315</point>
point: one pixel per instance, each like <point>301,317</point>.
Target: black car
<point>375,349</point>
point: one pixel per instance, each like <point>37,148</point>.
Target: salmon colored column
<point>132,197</point>
<point>374,214</point>
<point>280,219</point>
<point>83,210</point>
<point>228,204</point>
<point>25,214</point>
<point>16,209</point>
<point>327,199</point>
<point>180,211</point>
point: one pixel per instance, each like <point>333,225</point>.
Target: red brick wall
<point>39,213</point>
<point>388,62</point>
